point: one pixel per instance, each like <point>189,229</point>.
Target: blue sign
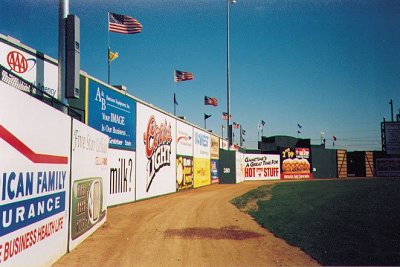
<point>114,114</point>
<point>19,214</point>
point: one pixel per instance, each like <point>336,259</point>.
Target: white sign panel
<point>34,180</point>
<point>184,139</point>
<point>261,167</point>
<point>121,164</point>
<point>202,144</point>
<point>155,153</point>
<point>89,180</point>
<point>239,167</point>
<point>224,144</point>
<point>31,67</point>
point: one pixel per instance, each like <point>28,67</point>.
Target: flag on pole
<point>212,101</point>
<point>206,116</point>
<point>334,138</point>
<point>225,116</point>
<point>181,76</point>
<point>112,55</point>
<point>262,123</point>
<point>236,125</point>
<point>175,102</point>
<point>123,24</point>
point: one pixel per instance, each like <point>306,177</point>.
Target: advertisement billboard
<point>30,65</point>
<point>214,149</point>
<point>214,153</point>
<point>261,167</point>
<point>388,167</point>
<point>121,165</point>
<point>239,167</point>
<point>89,181</point>
<point>202,172</point>
<point>224,144</point>
<point>34,180</point>
<point>295,163</point>
<point>184,158</point>
<point>392,138</point>
<point>155,153</point>
<point>214,168</point>
<point>201,154</point>
<point>113,114</point>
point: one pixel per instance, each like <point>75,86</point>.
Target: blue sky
<point>327,65</point>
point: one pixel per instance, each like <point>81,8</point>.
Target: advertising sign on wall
<point>121,164</point>
<point>392,138</point>
<point>214,159</point>
<point>31,66</point>
<point>89,178</point>
<point>113,114</point>
<point>388,167</point>
<point>202,153</point>
<point>224,144</point>
<point>261,167</point>
<point>155,153</point>
<point>239,167</point>
<point>34,180</point>
<point>295,163</point>
<point>202,172</point>
<point>184,158</point>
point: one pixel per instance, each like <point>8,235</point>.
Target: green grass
<point>337,222</point>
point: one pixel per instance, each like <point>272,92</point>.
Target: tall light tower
<point>228,91</point>
<point>63,11</point>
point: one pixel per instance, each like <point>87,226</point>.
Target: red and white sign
<point>184,139</point>
<point>41,72</point>
<point>155,153</point>
<point>261,167</point>
<point>34,180</point>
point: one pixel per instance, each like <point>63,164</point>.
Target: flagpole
<point>108,50</point>
<point>174,104</point>
<point>174,94</point>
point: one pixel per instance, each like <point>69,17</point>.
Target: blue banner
<point>113,114</point>
<point>19,214</point>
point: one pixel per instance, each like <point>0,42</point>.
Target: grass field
<point>337,222</point>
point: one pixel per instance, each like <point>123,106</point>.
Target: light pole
<point>228,92</point>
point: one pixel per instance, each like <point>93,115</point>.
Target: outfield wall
<point>34,180</point>
<point>59,175</point>
<point>53,181</point>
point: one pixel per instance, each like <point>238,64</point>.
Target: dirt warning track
<point>194,228</point>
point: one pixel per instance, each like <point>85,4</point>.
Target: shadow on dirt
<point>230,232</point>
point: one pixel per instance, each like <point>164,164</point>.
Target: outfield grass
<point>337,222</point>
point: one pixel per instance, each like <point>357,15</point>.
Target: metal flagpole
<point>108,50</point>
<point>174,94</point>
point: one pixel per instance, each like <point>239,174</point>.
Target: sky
<point>329,66</point>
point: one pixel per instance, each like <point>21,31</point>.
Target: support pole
<point>63,11</point>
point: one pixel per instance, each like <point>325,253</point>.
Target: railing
<point>21,84</point>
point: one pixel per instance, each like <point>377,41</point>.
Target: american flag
<point>181,76</point>
<point>123,24</point>
<point>225,116</point>
<point>212,101</point>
